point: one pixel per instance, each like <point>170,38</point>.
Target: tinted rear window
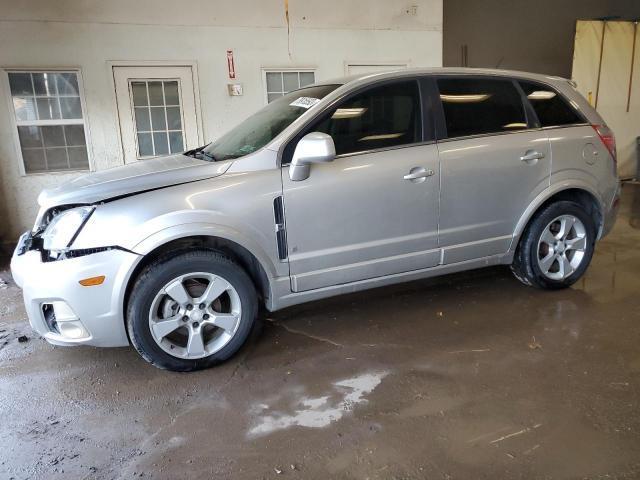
<point>550,107</point>
<point>474,106</point>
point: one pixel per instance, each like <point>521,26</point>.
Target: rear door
<point>358,217</point>
<point>494,161</point>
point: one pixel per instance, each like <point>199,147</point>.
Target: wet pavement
<point>466,376</point>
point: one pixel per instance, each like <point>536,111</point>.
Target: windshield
<point>262,127</point>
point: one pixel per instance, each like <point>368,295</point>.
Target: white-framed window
<point>278,82</point>
<point>158,116</point>
<point>50,120</point>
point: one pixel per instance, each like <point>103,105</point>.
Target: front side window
<point>50,120</point>
<point>475,106</point>
<point>550,107</point>
<point>279,83</point>
<point>265,125</point>
<point>382,117</point>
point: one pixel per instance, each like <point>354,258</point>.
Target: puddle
<point>317,412</point>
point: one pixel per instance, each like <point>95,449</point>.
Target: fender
<point>546,195</point>
<point>185,230</point>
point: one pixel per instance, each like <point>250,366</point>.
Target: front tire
<point>556,247</point>
<point>191,310</point>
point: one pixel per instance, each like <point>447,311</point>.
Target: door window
<point>550,107</point>
<point>475,106</point>
<point>158,118</point>
<point>382,117</point>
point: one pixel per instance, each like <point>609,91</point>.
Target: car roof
<point>408,72</point>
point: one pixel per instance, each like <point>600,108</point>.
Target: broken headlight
<point>64,227</point>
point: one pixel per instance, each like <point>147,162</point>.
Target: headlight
<point>62,230</point>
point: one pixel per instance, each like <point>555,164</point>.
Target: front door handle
<point>418,174</point>
<point>531,156</point>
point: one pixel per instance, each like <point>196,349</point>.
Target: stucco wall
<point>91,34</point>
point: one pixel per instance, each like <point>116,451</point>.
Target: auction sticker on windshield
<point>304,102</point>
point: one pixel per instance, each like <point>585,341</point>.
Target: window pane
<point>382,117</point>
<point>173,118</point>
<point>175,142</point>
<point>78,158</point>
<point>25,108</point>
<point>171,93</point>
<point>33,160</point>
<point>56,158</point>
<point>45,84</point>
<point>475,106</point>
<point>75,135</point>
<point>143,122</point>
<point>145,147</point>
<point>274,82</point>
<point>67,84</point>
<point>70,107</point>
<point>30,137</point>
<point>158,121</point>
<point>307,78</point>
<point>290,81</point>
<point>20,84</point>
<point>48,108</point>
<point>53,136</point>
<point>139,90</point>
<point>160,143</point>
<point>550,107</point>
<point>273,96</point>
<point>155,93</point>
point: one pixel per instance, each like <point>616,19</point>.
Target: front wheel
<point>556,248</point>
<point>191,310</point>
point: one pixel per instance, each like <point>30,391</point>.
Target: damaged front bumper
<point>62,310</point>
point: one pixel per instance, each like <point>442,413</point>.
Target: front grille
<point>48,256</point>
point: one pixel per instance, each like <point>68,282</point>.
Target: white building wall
<point>91,35</point>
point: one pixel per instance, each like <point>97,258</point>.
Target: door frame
<point>112,64</point>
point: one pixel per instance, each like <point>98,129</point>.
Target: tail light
<point>608,139</point>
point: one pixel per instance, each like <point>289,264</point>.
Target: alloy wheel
<point>195,315</point>
<point>562,247</point>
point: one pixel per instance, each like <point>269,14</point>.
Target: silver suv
<point>341,186</point>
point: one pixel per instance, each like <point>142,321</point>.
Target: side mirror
<point>314,147</point>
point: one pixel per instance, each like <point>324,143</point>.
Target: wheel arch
<point>581,194</point>
<point>240,254</point>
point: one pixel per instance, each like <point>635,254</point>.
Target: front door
<point>493,165</point>
<point>157,111</point>
<point>358,217</point>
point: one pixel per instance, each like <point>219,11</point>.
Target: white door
<point>157,111</point>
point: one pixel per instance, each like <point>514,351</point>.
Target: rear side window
<point>382,117</point>
<point>474,106</point>
<point>550,107</point>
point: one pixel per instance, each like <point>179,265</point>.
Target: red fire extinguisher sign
<point>230,65</point>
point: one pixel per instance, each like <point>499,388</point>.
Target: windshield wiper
<point>200,154</point>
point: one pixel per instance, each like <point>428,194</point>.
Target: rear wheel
<point>191,310</point>
<point>557,246</point>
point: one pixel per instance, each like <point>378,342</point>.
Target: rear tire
<point>191,310</point>
<point>556,247</point>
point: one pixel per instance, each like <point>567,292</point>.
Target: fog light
<point>73,329</point>
<point>62,320</point>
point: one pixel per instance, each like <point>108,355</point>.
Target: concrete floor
<point>466,376</point>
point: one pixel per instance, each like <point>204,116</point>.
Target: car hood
<point>136,177</point>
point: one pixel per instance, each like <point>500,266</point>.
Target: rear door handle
<point>531,156</point>
<point>418,174</point>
